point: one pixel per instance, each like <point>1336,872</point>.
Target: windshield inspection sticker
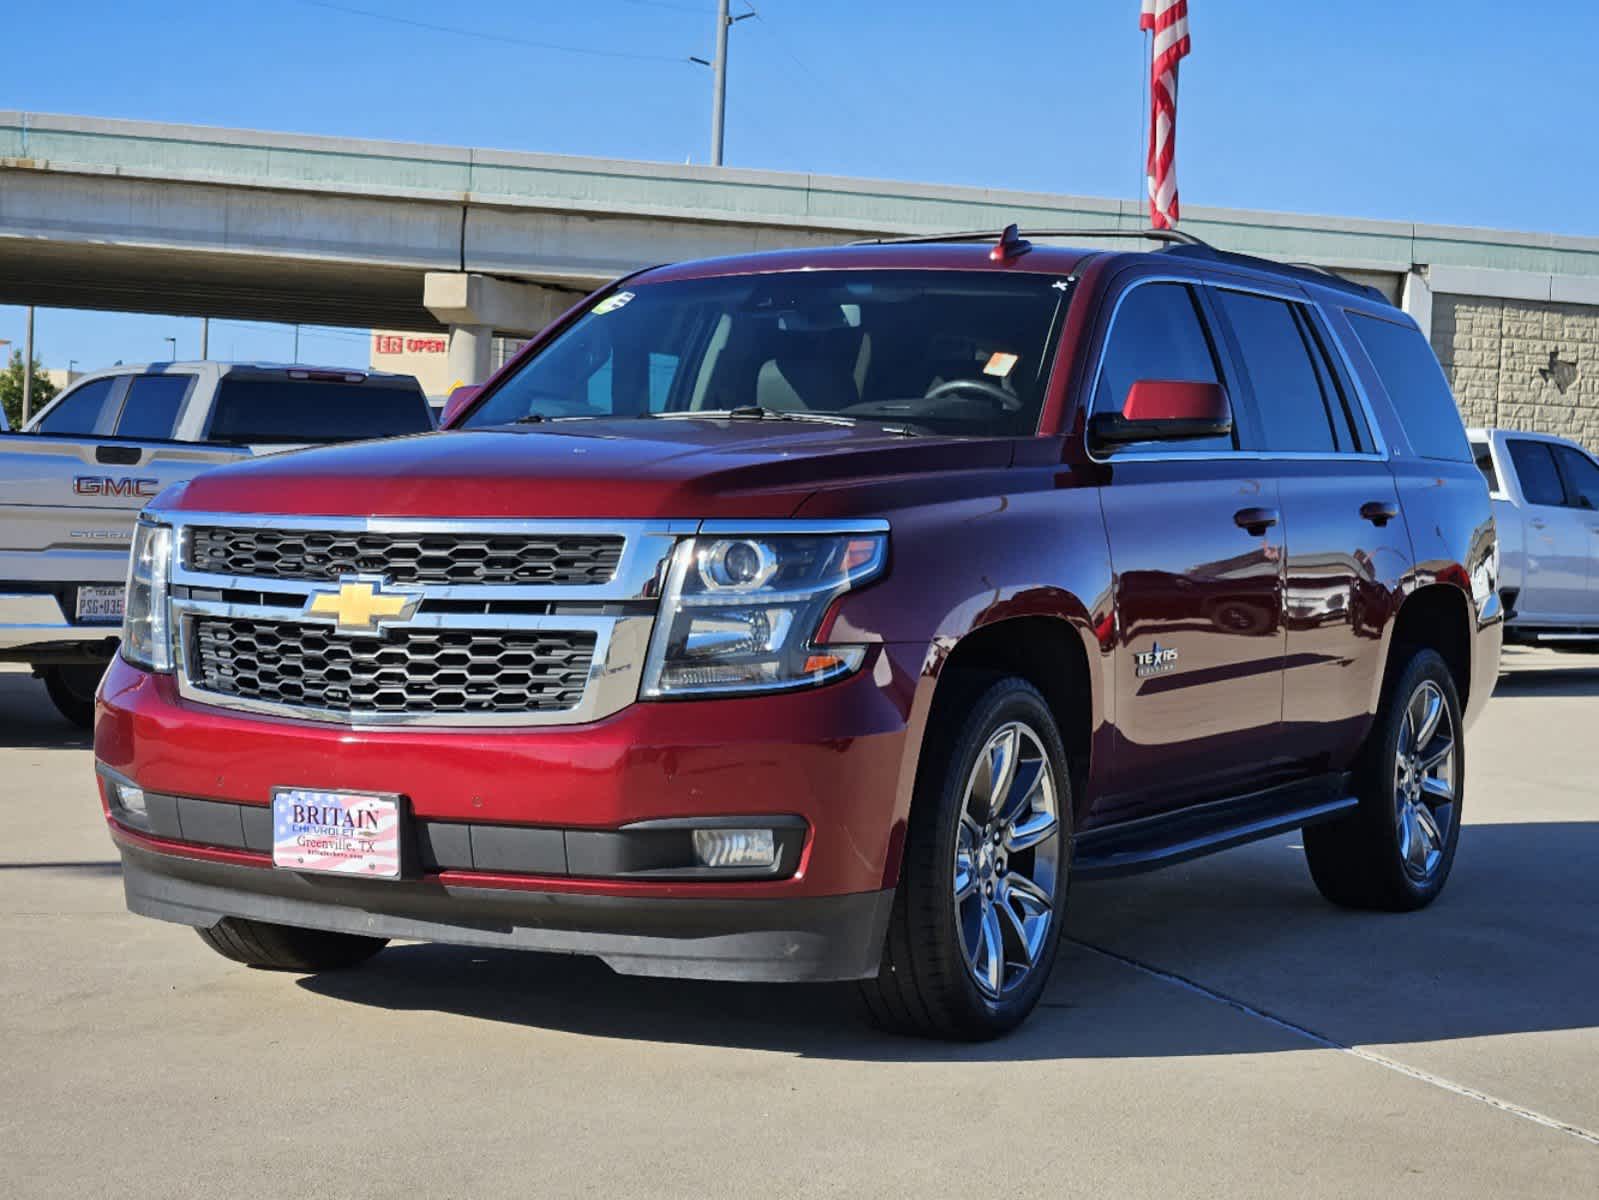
<point>1000,363</point>
<point>611,303</point>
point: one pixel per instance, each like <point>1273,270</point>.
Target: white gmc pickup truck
<point>1545,493</point>
<point>73,481</point>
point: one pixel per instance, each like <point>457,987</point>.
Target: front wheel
<point>977,916</point>
<point>72,691</point>
<point>287,947</point>
<point>1394,851</point>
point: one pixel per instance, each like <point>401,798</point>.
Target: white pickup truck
<point>73,481</point>
<point>1546,504</point>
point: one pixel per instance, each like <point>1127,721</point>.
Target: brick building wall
<point>1522,364</point>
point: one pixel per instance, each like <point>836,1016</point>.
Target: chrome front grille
<point>506,622</point>
<point>405,558</point>
<point>413,672</point>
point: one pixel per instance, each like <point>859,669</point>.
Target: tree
<point>11,389</point>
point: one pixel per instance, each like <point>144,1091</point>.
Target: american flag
<point>1169,21</point>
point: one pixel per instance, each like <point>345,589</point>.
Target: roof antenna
<point>1011,245</point>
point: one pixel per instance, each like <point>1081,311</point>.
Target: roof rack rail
<point>1010,233</point>
<point>1012,242</point>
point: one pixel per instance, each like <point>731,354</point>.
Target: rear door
<point>1554,589</point>
<point>1580,474</point>
<point>1196,543</point>
<point>1347,548</point>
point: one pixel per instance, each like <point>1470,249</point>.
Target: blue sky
<point>1469,114</point>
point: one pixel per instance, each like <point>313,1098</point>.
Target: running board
<point>1159,841</point>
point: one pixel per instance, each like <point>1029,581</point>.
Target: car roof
<point>985,252</point>
<point>223,366</point>
<point>1485,433</point>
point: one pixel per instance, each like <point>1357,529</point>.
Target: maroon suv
<point>820,615</point>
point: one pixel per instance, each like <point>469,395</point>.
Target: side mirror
<point>457,403</point>
<point>1165,410</point>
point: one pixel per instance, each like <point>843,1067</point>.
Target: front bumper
<point>837,759</point>
<point>801,939</point>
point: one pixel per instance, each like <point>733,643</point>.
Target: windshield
<point>957,352</point>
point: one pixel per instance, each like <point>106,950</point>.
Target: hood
<point>624,468</point>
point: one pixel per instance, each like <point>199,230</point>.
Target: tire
<point>1385,855</point>
<point>937,947</point>
<point>72,691</point>
<point>287,948</point>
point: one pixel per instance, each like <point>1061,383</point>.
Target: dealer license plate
<point>100,603</point>
<point>336,833</point>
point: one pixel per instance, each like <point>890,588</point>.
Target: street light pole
<point>724,22</point>
<point>27,370</point>
<point>719,87</point>
<point>172,342</point>
<point>205,338</point>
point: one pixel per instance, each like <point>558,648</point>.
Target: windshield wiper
<point>530,419</point>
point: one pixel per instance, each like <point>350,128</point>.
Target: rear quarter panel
<point>1450,519</point>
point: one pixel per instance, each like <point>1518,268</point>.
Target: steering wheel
<point>980,387</point>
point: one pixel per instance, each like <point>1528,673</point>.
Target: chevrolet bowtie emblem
<point>361,605</point>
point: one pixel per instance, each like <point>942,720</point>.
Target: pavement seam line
<point>1370,1056</point>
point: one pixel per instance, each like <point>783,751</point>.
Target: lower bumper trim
<point>810,939</point>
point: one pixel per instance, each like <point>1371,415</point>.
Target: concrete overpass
<point>197,221</point>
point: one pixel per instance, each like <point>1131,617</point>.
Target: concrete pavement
<point>1212,1030</point>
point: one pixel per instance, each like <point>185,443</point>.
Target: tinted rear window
<point>266,411</point>
<point>151,407</point>
<point>1288,388</point>
<point>1416,387</point>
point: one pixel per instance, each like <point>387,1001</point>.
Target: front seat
<point>811,369</point>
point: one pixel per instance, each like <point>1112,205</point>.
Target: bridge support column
<point>470,353</point>
<point>475,307</point>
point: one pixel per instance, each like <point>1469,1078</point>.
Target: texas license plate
<point>336,833</point>
<point>100,603</point>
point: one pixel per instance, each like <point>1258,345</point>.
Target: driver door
<point>1198,552</point>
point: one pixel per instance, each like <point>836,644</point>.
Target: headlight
<point>741,614</point>
<point>146,631</point>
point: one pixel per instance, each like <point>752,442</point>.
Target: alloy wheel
<point>1007,859</point>
<point>1424,781</point>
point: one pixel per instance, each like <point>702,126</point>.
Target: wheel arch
<point>1437,616</point>
<point>1049,652</point>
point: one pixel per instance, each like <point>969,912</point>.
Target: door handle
<point>1379,512</point>
<point>1255,520</point>
<point>1536,524</point>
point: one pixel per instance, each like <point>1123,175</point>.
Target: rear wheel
<point>72,690</point>
<point>286,947</point>
<point>1395,851</point>
<point>978,912</point>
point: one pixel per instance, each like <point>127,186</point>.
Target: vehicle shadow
<point>29,721</point>
<point>1549,682</point>
<point>1509,948</point>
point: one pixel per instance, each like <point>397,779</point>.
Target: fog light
<point>735,847</point>
<point>131,798</point>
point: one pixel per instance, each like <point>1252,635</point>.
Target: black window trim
<point>1288,292</point>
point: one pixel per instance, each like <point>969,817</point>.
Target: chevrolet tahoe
<point>821,615</point>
